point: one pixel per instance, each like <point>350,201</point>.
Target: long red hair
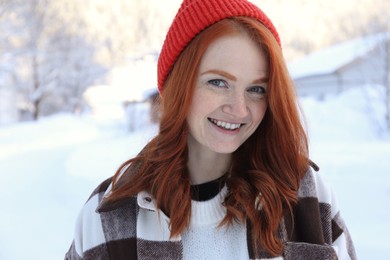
<point>266,170</point>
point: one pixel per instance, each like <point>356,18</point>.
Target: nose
<point>236,106</point>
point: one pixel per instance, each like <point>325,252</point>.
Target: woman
<point>228,175</point>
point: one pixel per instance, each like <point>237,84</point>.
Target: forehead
<point>237,54</point>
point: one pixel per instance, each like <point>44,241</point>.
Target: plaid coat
<point>136,229</point>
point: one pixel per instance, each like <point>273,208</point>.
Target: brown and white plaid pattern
<point>134,229</point>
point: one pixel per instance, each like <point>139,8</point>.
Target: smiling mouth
<point>225,125</point>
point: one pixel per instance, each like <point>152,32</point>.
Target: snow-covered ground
<point>49,168</point>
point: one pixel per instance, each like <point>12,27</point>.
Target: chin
<point>225,150</point>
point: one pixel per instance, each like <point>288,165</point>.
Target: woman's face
<point>229,98</point>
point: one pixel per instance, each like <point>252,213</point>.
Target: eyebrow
<point>231,77</point>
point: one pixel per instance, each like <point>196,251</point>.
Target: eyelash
<point>215,83</point>
<point>255,89</point>
<point>258,90</point>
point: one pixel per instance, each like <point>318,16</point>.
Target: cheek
<point>191,118</point>
<point>259,112</point>
<point>196,112</point>
<point>202,104</point>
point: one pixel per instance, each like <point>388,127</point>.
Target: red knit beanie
<point>193,17</point>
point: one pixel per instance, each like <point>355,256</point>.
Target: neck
<point>205,166</point>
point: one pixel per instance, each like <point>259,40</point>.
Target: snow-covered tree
<point>53,61</point>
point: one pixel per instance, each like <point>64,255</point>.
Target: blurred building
<point>342,66</point>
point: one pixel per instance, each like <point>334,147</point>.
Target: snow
<point>136,78</point>
<point>50,167</point>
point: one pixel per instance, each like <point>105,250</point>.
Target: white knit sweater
<point>205,240</point>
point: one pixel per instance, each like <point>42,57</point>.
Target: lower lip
<point>225,131</point>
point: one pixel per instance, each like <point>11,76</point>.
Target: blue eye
<point>218,83</point>
<point>257,90</point>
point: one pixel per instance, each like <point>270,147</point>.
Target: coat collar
<point>146,201</point>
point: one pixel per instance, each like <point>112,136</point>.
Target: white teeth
<point>225,125</point>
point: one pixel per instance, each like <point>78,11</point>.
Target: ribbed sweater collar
<point>210,212</point>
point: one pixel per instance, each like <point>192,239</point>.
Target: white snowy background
<point>50,167</point>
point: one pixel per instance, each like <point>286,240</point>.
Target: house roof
<point>329,60</point>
